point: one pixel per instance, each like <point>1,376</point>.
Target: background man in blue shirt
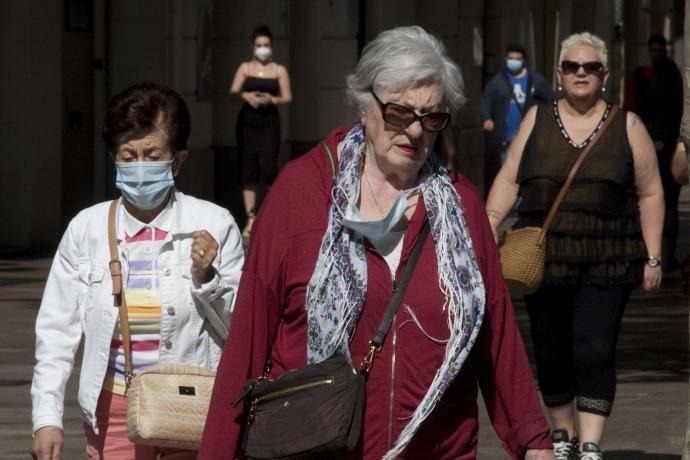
<point>505,100</point>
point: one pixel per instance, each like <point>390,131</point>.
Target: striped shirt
<point>143,297</point>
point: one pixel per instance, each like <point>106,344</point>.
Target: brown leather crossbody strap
<point>118,292</point>
<point>115,267</point>
<point>566,185</point>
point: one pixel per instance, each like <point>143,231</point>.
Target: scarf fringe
<point>436,390</point>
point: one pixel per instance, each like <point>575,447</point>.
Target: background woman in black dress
<point>262,84</point>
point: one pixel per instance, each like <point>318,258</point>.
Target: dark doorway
<point>78,123</point>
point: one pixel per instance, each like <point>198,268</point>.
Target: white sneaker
<point>591,451</point>
<point>564,447</point>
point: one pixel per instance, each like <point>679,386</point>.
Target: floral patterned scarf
<point>338,286</point>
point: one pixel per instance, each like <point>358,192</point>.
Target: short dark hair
<point>136,112</point>
<point>262,31</point>
<point>658,39</point>
<point>516,48</point>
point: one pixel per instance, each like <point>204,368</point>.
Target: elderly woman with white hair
<point>328,248</point>
<point>604,240</point>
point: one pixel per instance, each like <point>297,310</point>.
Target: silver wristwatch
<point>653,261</point>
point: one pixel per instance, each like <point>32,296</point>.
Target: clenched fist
<point>204,252</point>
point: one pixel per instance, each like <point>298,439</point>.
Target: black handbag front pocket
<point>307,412</point>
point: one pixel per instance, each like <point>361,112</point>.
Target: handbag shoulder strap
<point>118,293</point>
<point>573,170</point>
<point>398,291</point>
<point>115,267</point>
<point>520,107</point>
<point>330,159</point>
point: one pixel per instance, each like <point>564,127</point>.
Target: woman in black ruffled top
<point>263,85</point>
<point>605,239</point>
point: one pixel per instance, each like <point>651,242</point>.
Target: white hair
<point>586,39</point>
<point>401,59</point>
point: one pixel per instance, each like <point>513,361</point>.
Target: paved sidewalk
<point>648,420</point>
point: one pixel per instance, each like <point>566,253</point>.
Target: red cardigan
<point>270,317</point>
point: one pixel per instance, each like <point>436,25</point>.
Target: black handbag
<point>316,411</point>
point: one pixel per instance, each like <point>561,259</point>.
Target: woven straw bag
<point>522,260</point>
<point>167,405</point>
<point>523,252</point>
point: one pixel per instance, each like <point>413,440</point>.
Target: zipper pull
<point>248,388</point>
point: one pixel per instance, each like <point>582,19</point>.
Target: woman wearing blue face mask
<point>263,85</point>
<point>328,249</point>
<point>181,259</point>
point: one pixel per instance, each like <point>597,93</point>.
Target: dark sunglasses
<point>402,117</point>
<point>571,67</point>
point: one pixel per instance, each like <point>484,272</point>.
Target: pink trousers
<point>111,442</point>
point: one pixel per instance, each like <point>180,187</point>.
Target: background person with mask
<point>505,100</point>
<point>181,261</point>
<point>262,84</point>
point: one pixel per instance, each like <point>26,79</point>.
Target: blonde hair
<point>587,39</point>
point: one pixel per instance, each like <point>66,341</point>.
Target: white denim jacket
<point>78,301</point>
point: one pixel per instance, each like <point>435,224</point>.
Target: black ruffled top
<point>596,237</point>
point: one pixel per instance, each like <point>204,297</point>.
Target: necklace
<point>565,134</point>
<point>263,69</point>
<point>371,191</point>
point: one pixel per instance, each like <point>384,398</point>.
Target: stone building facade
<point>61,61</point>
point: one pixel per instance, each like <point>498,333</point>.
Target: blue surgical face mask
<point>375,230</point>
<point>514,65</point>
<point>145,184</point>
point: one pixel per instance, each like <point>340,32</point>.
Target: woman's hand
<point>539,454</point>
<point>47,443</point>
<point>652,278</point>
<point>251,98</point>
<point>263,99</point>
<point>204,251</point>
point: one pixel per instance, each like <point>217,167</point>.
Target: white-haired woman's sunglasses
<point>402,117</point>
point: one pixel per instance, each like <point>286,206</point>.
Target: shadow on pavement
<point>653,324</point>
<point>638,455</point>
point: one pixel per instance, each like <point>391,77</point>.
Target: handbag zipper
<point>287,391</point>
